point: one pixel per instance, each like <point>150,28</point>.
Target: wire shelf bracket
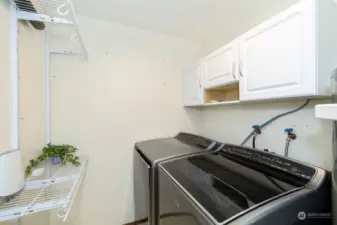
<point>22,15</point>
<point>57,191</point>
<point>58,18</point>
<point>65,51</point>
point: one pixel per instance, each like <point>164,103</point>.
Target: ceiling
<point>200,20</point>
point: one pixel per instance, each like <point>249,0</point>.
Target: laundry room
<point>121,112</point>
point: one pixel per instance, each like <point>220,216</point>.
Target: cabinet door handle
<point>233,71</point>
<point>240,69</point>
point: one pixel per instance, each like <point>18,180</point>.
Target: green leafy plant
<point>64,153</point>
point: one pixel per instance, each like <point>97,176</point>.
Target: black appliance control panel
<point>216,146</point>
<point>194,140</point>
<point>271,160</point>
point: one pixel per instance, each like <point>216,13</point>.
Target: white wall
<point>231,124</point>
<point>32,91</point>
<point>128,90</point>
<point>4,78</point>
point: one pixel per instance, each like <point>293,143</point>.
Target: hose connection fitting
<point>291,135</point>
<point>257,130</point>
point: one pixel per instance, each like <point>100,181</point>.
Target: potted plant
<point>58,154</point>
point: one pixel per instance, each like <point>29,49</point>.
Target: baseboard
<point>165,215</point>
<point>138,222</point>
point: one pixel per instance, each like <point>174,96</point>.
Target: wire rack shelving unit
<point>57,189</point>
<point>60,21</point>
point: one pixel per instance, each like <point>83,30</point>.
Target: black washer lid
<point>235,179</point>
<point>194,140</point>
<point>165,148</point>
<point>159,149</point>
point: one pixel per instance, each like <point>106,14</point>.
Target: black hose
<point>254,138</point>
<point>267,123</point>
<point>275,118</point>
<point>284,114</point>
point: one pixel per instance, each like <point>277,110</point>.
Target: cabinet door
<point>277,58</point>
<point>220,67</point>
<point>192,90</point>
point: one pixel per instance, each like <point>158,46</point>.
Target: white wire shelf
<point>59,19</point>
<point>56,188</point>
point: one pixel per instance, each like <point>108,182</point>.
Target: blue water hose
<point>275,118</point>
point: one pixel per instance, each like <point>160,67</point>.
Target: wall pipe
<point>47,88</point>
<point>14,83</point>
<point>14,79</point>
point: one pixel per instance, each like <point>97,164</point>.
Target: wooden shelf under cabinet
<point>225,93</point>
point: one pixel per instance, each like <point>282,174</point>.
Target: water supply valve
<point>290,136</point>
<point>290,133</point>
<point>257,129</point>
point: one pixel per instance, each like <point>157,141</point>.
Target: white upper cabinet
<point>192,90</point>
<point>220,67</point>
<point>291,54</point>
